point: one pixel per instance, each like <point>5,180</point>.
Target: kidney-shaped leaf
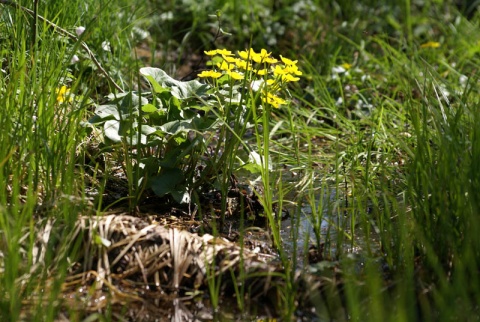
<point>181,90</point>
<point>147,130</point>
<point>107,112</point>
<point>111,130</point>
<point>166,182</point>
<point>149,108</point>
<point>175,127</point>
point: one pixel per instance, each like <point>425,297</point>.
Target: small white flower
<point>106,45</point>
<point>339,101</point>
<point>74,59</point>
<point>79,30</point>
<point>139,33</point>
<point>463,80</point>
<point>365,77</point>
<point>444,91</point>
<point>256,85</point>
<point>338,70</point>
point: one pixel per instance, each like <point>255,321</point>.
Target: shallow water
<point>335,231</point>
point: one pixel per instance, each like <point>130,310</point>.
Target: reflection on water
<point>334,223</point>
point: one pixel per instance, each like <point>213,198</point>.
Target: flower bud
<point>79,30</point>
<point>74,59</point>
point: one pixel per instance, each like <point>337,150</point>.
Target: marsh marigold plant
<point>260,71</point>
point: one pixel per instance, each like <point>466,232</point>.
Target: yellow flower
<point>289,78</point>
<point>225,66</point>
<point>63,94</point>
<point>292,69</point>
<point>270,82</point>
<point>430,44</point>
<point>211,52</point>
<point>243,64</point>
<point>262,57</point>
<point>279,70</point>
<point>271,60</point>
<point>229,59</point>
<point>347,66</point>
<point>261,72</point>
<point>209,73</point>
<point>244,54</point>
<point>224,52</point>
<point>235,75</point>
<point>273,85</point>
<point>273,100</point>
<point>287,61</point>
<point>259,57</point>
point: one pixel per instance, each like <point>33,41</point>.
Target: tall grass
<point>41,154</point>
<point>405,167</point>
<point>440,186</point>
<point>410,169</point>
<point>39,140</point>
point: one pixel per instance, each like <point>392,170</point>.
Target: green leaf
<point>111,130</point>
<point>171,159</point>
<point>177,126</point>
<point>94,120</point>
<point>181,90</point>
<point>157,88</point>
<point>121,107</point>
<point>115,131</point>
<point>155,141</point>
<point>252,168</point>
<point>166,182</point>
<point>107,112</point>
<point>147,130</point>
<point>204,123</point>
<point>181,196</point>
<point>180,139</point>
<point>150,165</point>
<point>149,108</point>
<point>255,164</point>
<point>130,104</point>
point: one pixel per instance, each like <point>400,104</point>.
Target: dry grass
<point>130,259</point>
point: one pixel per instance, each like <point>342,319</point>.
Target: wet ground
<point>146,295</point>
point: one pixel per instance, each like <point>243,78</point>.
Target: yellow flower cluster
<point>63,94</point>
<point>430,44</point>
<point>256,68</point>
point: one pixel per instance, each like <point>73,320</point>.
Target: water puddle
<point>332,224</point>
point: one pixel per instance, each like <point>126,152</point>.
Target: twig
<point>35,23</point>
<point>212,42</point>
<point>65,33</point>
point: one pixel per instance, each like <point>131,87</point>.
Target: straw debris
<point>122,250</point>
